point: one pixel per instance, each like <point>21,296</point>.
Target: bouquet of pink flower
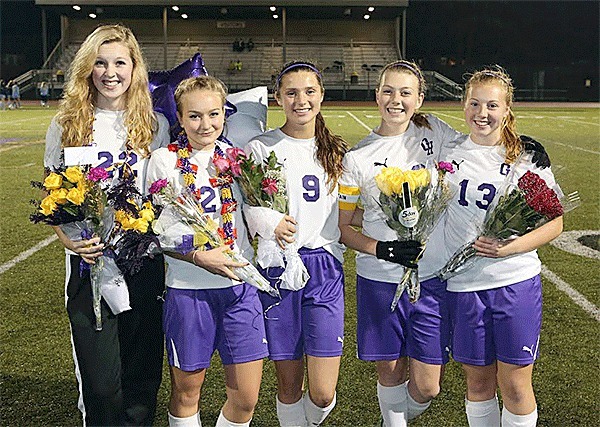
<point>522,208</point>
<point>413,202</point>
<point>264,189</point>
<point>261,184</point>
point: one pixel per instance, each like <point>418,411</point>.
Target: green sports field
<point>37,383</point>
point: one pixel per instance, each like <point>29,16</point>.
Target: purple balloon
<point>162,85</point>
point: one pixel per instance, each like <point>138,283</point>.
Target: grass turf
<point>37,383</point>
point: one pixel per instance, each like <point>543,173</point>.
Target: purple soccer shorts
<point>310,320</point>
<point>420,330</point>
<point>199,321</point>
<point>498,324</point>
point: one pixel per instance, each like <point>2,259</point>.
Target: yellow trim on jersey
<point>348,197</point>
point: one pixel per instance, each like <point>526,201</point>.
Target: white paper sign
<point>81,155</point>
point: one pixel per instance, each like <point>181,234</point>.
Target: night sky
<point>536,33</point>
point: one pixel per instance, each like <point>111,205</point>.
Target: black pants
<point>119,369</point>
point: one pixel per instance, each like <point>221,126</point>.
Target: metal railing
<point>441,86</point>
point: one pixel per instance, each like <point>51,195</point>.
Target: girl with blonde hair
<point>207,307</point>
<point>495,306</point>
<point>106,107</point>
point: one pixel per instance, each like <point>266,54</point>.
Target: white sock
<point>415,408</point>
<point>291,415</point>
<point>393,404</point>
<point>483,414</point>
<point>192,421</point>
<point>224,422</point>
<point>315,415</point>
<point>511,420</point>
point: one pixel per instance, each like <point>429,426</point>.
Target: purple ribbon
<point>84,266</point>
<point>186,245</point>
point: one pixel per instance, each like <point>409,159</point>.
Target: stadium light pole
<point>403,33</point>
<point>44,36</point>
<point>165,16</point>
<point>284,38</point>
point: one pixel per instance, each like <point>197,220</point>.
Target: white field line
<point>567,241</point>
<point>26,165</point>
<point>563,118</point>
<point>437,113</point>
<point>359,121</point>
<point>15,144</point>
<point>570,146</point>
<point>533,136</point>
<point>577,298</point>
<point>11,122</point>
<point>26,254</point>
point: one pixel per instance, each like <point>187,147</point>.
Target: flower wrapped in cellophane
<point>183,226</point>
<point>263,186</point>
<point>413,202</point>
<point>521,209</point>
<point>133,239</point>
<point>76,201</point>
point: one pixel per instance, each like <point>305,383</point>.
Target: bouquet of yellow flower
<point>412,202</point>
<point>72,194</point>
<point>76,201</point>
<point>133,236</point>
<point>183,226</point>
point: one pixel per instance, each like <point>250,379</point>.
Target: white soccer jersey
<point>110,135</point>
<point>182,274</point>
<point>481,177</point>
<point>415,148</point>
<point>309,201</point>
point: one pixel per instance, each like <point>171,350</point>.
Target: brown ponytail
<point>330,148</point>
<point>330,151</point>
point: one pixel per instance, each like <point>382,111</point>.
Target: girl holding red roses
<point>496,306</point>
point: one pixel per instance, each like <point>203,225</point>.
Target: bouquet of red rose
<point>521,209</point>
<point>264,190</point>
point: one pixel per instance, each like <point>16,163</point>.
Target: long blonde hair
<point>76,110</point>
<point>508,137</point>
<point>407,67</point>
<point>330,148</point>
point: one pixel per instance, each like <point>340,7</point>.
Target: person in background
<point>16,94</point>
<point>107,105</point>
<point>44,94</point>
<point>309,320</point>
<point>3,99</point>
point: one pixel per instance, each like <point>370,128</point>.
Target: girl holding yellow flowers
<point>106,112</point>
<point>405,139</point>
